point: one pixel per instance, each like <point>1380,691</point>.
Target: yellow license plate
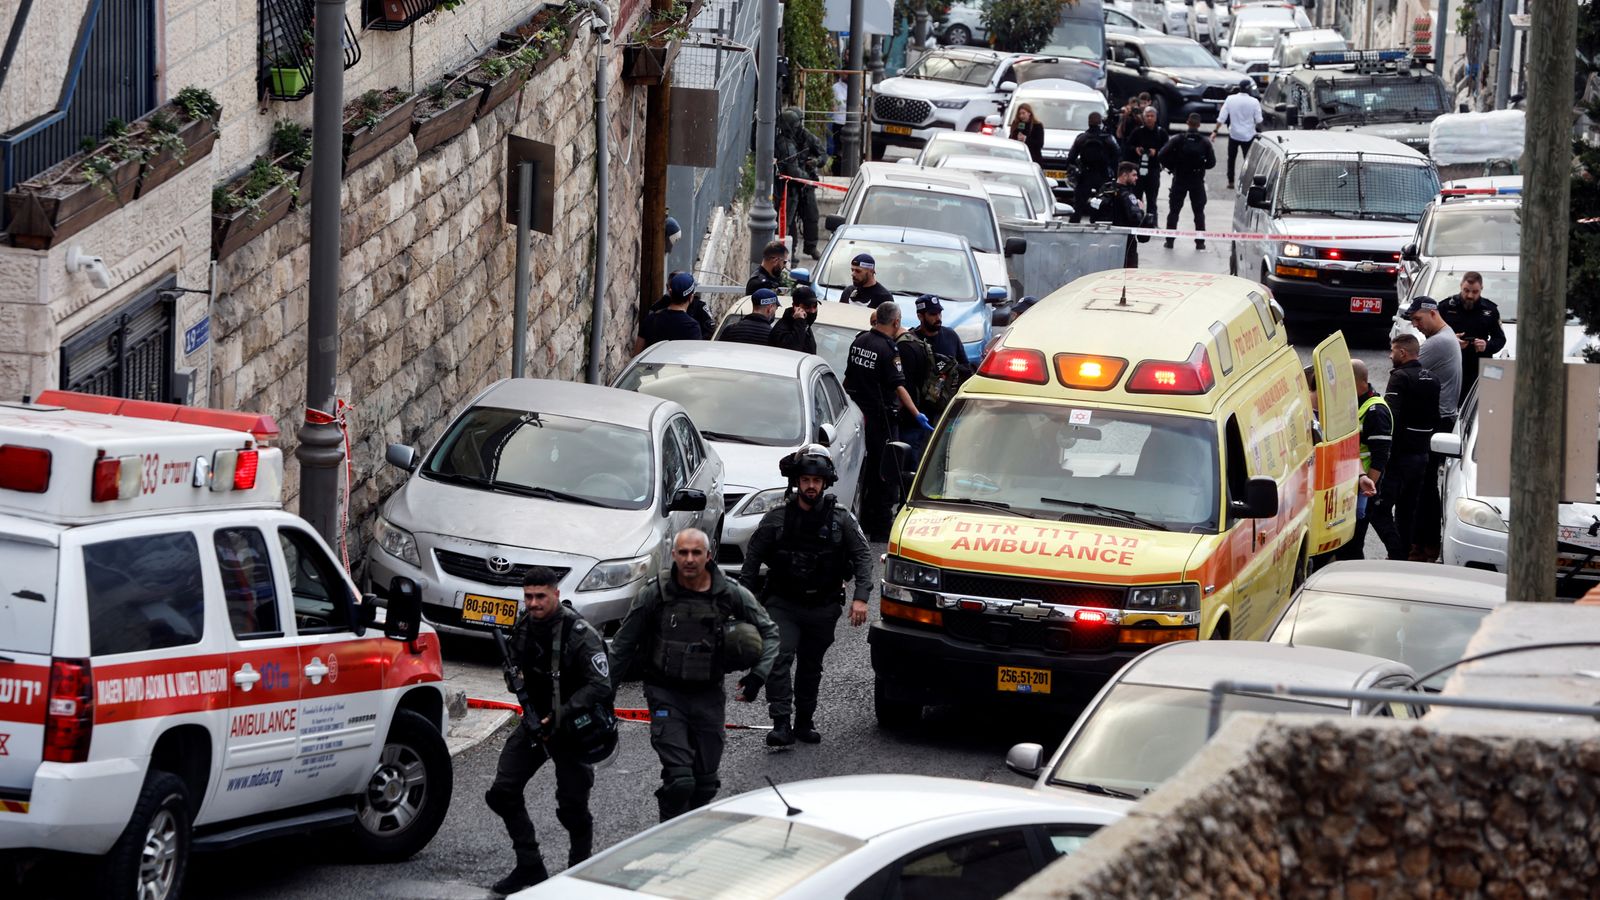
<point>480,610</point>
<point>1024,681</point>
<point>1056,174</point>
<point>898,129</point>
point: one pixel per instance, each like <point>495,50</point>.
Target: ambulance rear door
<point>27,624</point>
<point>1337,467</point>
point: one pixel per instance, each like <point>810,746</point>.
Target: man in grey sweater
<point>1441,355</point>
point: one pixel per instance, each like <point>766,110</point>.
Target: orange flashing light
<point>1026,366</point>
<point>1190,376</point>
<point>1091,373</point>
<point>894,609</point>
<point>1294,271</point>
<point>1146,636</point>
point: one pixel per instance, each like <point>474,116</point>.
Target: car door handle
<point>315,670</point>
<point>246,677</point>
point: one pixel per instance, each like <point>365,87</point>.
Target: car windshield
<point>905,268</point>
<point>1030,183</point>
<point>1424,636</point>
<point>938,151</point>
<point>1357,188</point>
<point>1501,287</point>
<point>1465,231</point>
<point>1010,206</point>
<point>1077,38</point>
<point>1296,54</point>
<point>936,67</point>
<point>969,217</point>
<point>1187,55</point>
<point>1060,115</point>
<point>1259,35</point>
<point>715,855</point>
<point>726,404</point>
<point>1422,97</point>
<point>1058,462</point>
<point>555,457</point>
<point>1140,735</point>
<point>833,343</point>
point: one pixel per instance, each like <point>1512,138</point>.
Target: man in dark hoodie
<point>792,331</point>
<point>756,326</point>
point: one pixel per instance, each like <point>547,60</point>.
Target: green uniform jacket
<point>631,645</point>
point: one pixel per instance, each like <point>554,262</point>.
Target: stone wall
<point>1355,809</point>
<point>427,280</point>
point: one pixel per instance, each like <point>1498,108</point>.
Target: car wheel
<point>408,794</point>
<point>149,860</point>
<point>1224,629</point>
<point>1161,110</point>
<point>894,715</point>
<point>1302,567</point>
<point>957,35</point>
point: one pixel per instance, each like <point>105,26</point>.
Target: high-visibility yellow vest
<point>1361,416</point>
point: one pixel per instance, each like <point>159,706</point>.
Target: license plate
<point>1023,681</point>
<point>1057,174</point>
<point>480,610</point>
<point>898,129</point>
<point>1366,305</point>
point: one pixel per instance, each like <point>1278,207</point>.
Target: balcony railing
<point>287,71</point>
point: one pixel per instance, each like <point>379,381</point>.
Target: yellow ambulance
<point>1135,463</point>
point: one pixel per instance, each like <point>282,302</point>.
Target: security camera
<point>93,266</point>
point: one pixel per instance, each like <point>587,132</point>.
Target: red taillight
<point>25,469</point>
<point>69,718</point>
<point>244,471</point>
<point>1191,376</point>
<point>116,478</point>
<point>1026,366</point>
<point>987,129</point>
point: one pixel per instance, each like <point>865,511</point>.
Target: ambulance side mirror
<point>401,456</point>
<point>403,620</point>
<point>1260,499</point>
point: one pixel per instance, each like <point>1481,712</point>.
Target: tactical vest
<point>688,638</point>
<point>1361,416</point>
<point>809,565</point>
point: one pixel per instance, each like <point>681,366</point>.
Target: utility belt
<point>808,598</point>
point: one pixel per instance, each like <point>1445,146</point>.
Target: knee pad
<point>705,788</point>
<point>677,784</point>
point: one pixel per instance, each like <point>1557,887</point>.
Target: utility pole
<point>763,218</point>
<point>658,131</point>
<point>321,440</point>
<point>1506,44</point>
<point>1540,388</point>
<point>919,30</point>
<point>853,135</point>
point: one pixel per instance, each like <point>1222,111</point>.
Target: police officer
<point>553,647</point>
<point>1476,321</point>
<point>1187,156</point>
<point>685,633</point>
<point>769,274</point>
<point>1377,435</point>
<point>680,315</point>
<point>1119,205</point>
<point>755,327</point>
<point>1094,152</point>
<point>799,152</point>
<point>810,545</point>
<point>875,381</point>
<point>1412,395</point>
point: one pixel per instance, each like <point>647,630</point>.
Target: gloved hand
<point>923,423</point>
<point>750,687</point>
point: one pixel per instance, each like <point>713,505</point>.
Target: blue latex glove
<point>922,420</point>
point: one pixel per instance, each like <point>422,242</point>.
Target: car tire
<point>894,715</point>
<point>1161,110</point>
<point>957,35</point>
<point>406,799</point>
<point>151,857</point>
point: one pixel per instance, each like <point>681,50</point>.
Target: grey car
<point>591,481</point>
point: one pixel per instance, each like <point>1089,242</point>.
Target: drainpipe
<point>602,186</point>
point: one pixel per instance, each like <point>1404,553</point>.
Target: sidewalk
<point>473,678</point>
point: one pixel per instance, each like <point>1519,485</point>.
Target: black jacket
<point>1150,139</point>
<point>763,279</point>
<point>585,668</point>
<point>813,569</point>
<point>1188,154</point>
<point>1032,135</point>
<point>1413,397</point>
<point>1096,170</point>
<point>792,334</point>
<point>1481,322</point>
<point>1120,206</point>
<point>632,643</point>
<point>697,310</point>
<point>753,328</point>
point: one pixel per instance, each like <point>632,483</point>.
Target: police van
<point>1136,466</point>
<point>184,665</point>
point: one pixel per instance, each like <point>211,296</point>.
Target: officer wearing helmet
<point>810,546</point>
<point>799,154</point>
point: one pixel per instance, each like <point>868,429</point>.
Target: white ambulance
<point>184,665</point>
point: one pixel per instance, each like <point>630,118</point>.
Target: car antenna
<point>1123,300</point>
<point>787,809</point>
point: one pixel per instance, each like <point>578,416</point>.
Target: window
<point>126,353</point>
<point>693,453</point>
<point>247,584</point>
<point>821,412</point>
<point>321,597</point>
<point>1064,840</point>
<point>906,264</point>
<point>830,383</point>
<point>144,593</point>
<point>674,472</point>
<point>976,867</point>
<point>726,404</point>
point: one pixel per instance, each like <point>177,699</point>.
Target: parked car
<point>1063,109</point>
<point>1415,613</point>
<point>1247,46</point>
<point>621,472</point>
<point>1175,17</point>
<point>1440,278</point>
<point>965,143</point>
<point>1119,22</point>
<point>1024,176</point>
<point>1151,717</point>
<point>950,89</point>
<point>1294,46</point>
<point>1010,202</point>
<point>1181,76</point>
<point>1379,93</point>
<point>1476,222</point>
<point>1079,41</point>
<point>963,25</point>
<point>866,837</point>
<point>1203,26</point>
<point>754,405</point>
<point>1148,13</point>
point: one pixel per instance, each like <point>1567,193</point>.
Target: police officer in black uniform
<point>799,153</point>
<point>875,381</point>
<point>769,274</point>
<point>1476,321</point>
<point>1188,156</point>
<point>1093,152</point>
<point>555,649</point>
<point>810,545</point>
<point>1119,205</point>
<point>687,632</point>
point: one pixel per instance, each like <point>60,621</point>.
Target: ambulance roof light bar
<point>1015,364</point>
<point>1189,376</point>
<point>262,427</point>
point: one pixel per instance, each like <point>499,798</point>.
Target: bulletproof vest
<point>688,639</point>
<point>1193,153</point>
<point>809,563</point>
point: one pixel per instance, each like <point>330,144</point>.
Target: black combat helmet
<point>812,459</point>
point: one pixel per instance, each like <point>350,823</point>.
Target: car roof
<point>1507,262</point>
<point>829,312</point>
<point>752,358</point>
<point>1265,11</point>
<point>949,181</point>
<point>900,234</point>
<point>1310,35</point>
<point>1153,37</point>
<point>1329,142</point>
<point>1483,181</point>
<point>1001,187</point>
<point>1057,88</point>
<point>1200,664</point>
<point>981,164</point>
<point>869,806</point>
<point>964,137</point>
<point>593,402</point>
<point>1401,580</point>
<point>970,52</point>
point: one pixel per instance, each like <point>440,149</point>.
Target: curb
<point>472,729</point>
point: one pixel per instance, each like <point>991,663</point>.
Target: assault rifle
<point>518,688</point>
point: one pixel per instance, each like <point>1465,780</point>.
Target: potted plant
<point>288,80</point>
<point>78,191</point>
<point>374,122</point>
<point>498,77</point>
<point>249,205</point>
<point>649,52</point>
<point>396,10</point>
<point>178,134</point>
<point>444,110</point>
<point>291,150</point>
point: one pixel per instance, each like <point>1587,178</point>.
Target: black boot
<point>780,735</point>
<point>806,731</point>
<point>811,251</point>
<point>1199,245</point>
<point>580,845</point>
<point>526,874</point>
<point>1168,244</point>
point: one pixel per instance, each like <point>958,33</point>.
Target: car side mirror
<point>402,620</point>
<point>687,500</point>
<point>894,462</point>
<point>1260,499</point>
<point>826,433</point>
<point>1446,444</point>
<point>1025,760</point>
<point>1007,87</point>
<point>1131,60</point>
<point>1016,246</point>
<point>992,121</point>
<point>1001,317</point>
<point>996,295</point>
<point>834,222</point>
<point>1222,42</point>
<point>401,456</point>
<point>1409,253</point>
<point>1281,107</point>
<point>1256,197</point>
<point>800,276</point>
<point>1063,209</point>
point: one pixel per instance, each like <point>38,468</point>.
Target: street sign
<point>196,336</point>
<point>543,157</point>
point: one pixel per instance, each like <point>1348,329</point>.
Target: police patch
<point>601,664</point>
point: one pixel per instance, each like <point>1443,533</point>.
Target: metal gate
<point>128,353</point>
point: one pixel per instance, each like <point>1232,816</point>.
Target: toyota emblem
<point>499,565</point>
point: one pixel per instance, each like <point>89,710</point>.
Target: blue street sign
<point>197,335</point>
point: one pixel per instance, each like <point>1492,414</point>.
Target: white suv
<point>952,89</point>
<point>183,664</point>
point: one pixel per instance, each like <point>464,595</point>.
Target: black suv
<point>1383,93</point>
<point>1181,76</point>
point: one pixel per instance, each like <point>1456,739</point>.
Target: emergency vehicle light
<point>1026,366</point>
<point>264,428</point>
<point>1347,57</point>
<point>116,478</point>
<point>69,719</point>
<point>1190,376</point>
<point>25,469</point>
<point>1090,617</point>
<point>244,470</point>
<point>1507,191</point>
<point>1093,373</point>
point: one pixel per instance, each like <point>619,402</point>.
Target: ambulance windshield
<point>1061,462</point>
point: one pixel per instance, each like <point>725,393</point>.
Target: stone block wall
<point>1355,810</point>
<point>425,311</point>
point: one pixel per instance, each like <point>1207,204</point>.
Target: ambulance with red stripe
<point>1133,464</point>
<point>184,665</point>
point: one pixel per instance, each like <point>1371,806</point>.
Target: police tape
<point>821,184</point>
<point>625,714</point>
